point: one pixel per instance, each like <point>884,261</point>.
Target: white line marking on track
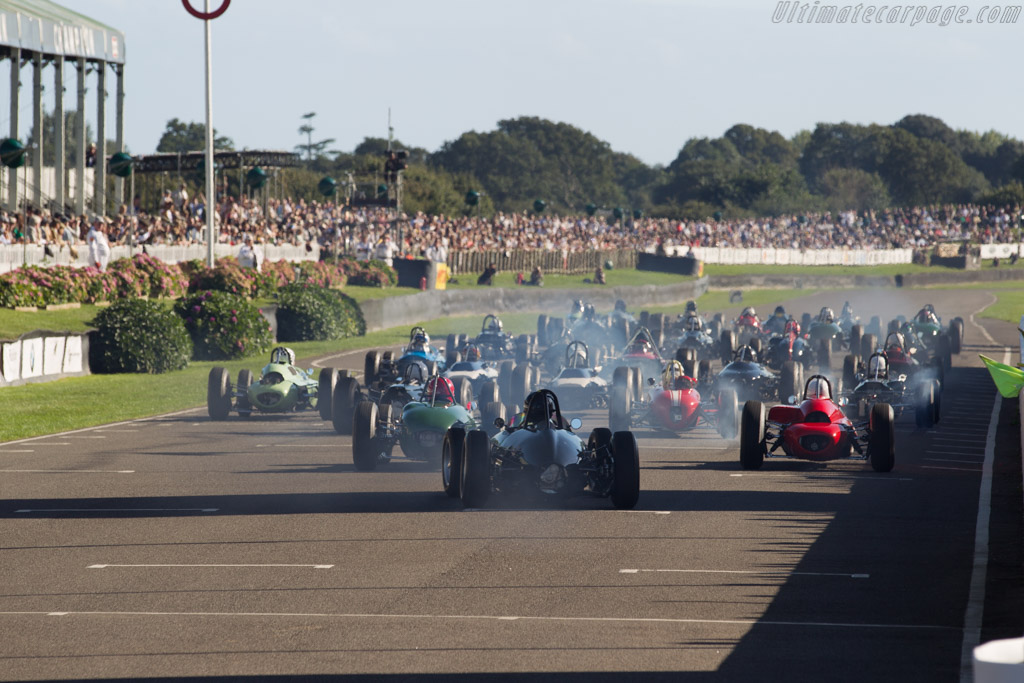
<point>742,571</point>
<point>25,450</point>
<point>984,332</point>
<point>118,430</point>
<point>85,436</point>
<point>976,598</point>
<point>957,469</point>
<point>120,510</point>
<point>746,623</point>
<point>204,566</point>
<point>53,443</point>
<point>73,471</point>
<point>821,476</point>
<point>304,445</point>
<point>965,462</point>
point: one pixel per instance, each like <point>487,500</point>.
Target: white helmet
<point>817,387</point>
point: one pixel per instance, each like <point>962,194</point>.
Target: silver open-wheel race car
<point>539,454</point>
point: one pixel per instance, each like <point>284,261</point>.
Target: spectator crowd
<point>374,232</point>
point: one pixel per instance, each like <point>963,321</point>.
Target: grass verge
<point>1009,305</point>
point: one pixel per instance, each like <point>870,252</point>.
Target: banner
<point>53,355</point>
<point>73,354</point>
<point>31,357</point>
<point>12,361</point>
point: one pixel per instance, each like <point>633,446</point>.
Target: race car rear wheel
<point>475,487</point>
<point>789,380</point>
<point>856,334</point>
<point>875,326</point>
<point>728,413</point>
<point>542,330</point>
<point>956,334</point>
<point>755,344</point>
<point>451,460</point>
<point>371,367</point>
<point>328,380</point>
<point>937,405</point>
<point>684,354</point>
<point>463,391</point>
<point>626,486</point>
<point>727,346</point>
<point>489,393</point>
<point>704,372</point>
<point>867,345</point>
<point>522,348</point>
<point>218,394</point>
<point>637,380</point>
<point>242,402</point>
<point>849,371</point>
<point>881,438</point>
<point>690,368</point>
<point>364,433</point>
<point>343,404</point>
<point>943,349</point>
<point>519,385</point>
<point>620,400</point>
<point>752,444</point>
<point>490,414</point>
<point>555,328</point>
<point>825,354</point>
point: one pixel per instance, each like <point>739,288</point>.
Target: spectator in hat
<point>250,255</point>
<point>99,246</point>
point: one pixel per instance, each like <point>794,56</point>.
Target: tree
<point>311,148</point>
<point>190,137</point>
<point>852,188</point>
<point>70,142</point>
<point>378,147</point>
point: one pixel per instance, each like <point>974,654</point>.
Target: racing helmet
<point>895,341</point>
<point>826,315</point>
<point>420,342</point>
<point>495,325</point>
<point>538,408</point>
<point>792,326</point>
<point>847,309</point>
<point>691,306</point>
<point>817,387</point>
<point>641,344</point>
<point>577,305</point>
<point>779,311</point>
<point>620,305</point>
<point>748,312</point>
<point>746,353</point>
<point>282,354</point>
<point>878,366</point>
<point>926,314</point>
<point>439,390</point>
<point>473,354</point>
<point>673,371</point>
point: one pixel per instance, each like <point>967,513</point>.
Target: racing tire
<point>371,367</point>
<point>463,391</point>
<point>519,385</point>
<point>956,336</point>
<point>461,339</point>
<point>937,404</point>
<point>684,354</point>
<point>825,354</point>
<point>728,414</point>
<point>849,371</point>
<point>555,328</point>
<point>505,380</point>
<point>343,404</point>
<point>704,373</point>
<point>534,377</point>
<point>451,357</point>
<point>489,393</point>
<point>475,485</point>
<point>924,409</point>
<point>218,394</point>
<point>875,326</point>
<point>645,319</point>
<point>789,380</point>
<point>626,472</point>
<point>856,334</point>
<point>755,344</point>
<point>894,326</point>
<point>943,349</point>
<point>451,460</point>
<point>656,322</point>
<point>245,381</point>
<point>326,383</point>
<point>364,436</point>
<point>881,438</point>
<point>451,344</point>
<point>805,322</point>
<point>542,330</point>
<point>727,345</point>
<point>491,412</point>
<point>715,329</point>
<point>752,443</point>
<point>867,345</point>
<point>620,400</point>
<point>522,349</point>
<point>637,379</point>
<point>690,368</point>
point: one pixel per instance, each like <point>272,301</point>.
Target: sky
<point>643,75</point>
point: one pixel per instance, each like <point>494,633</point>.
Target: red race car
<point>675,404</point>
<point>816,430</point>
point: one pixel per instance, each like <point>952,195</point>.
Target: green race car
<point>419,430</point>
<point>281,388</point>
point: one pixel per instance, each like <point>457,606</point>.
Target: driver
<point>675,378</point>
<point>640,345</point>
<point>282,354</point>
<point>539,410</point>
<point>826,315</point>
<point>495,325</point>
<point>746,353</point>
<point>776,323</point>
<point>847,310</point>
<point>439,391</point>
<point>927,315</point>
<point>817,387</point>
<point>472,354</point>
<point>693,324</point>
<point>792,327</point>
<point>420,342</point>
<point>878,367</point>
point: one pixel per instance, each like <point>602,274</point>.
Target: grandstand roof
<point>46,27</point>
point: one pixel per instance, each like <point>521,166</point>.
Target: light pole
<point>207,16</point>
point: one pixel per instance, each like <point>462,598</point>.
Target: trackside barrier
<point>42,356</point>
<point>13,256</point>
<point>796,257</point>
<point>1000,250</point>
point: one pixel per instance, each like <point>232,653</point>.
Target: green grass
<point>14,323</point>
<point>613,278</point>
<point>1009,306</point>
<point>78,402</point>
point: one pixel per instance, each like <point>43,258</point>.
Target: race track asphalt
<point>177,547</point>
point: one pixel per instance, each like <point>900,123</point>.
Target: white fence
<point>1001,250</point>
<point>796,257</point>
<point>42,356</point>
<point>13,256</point>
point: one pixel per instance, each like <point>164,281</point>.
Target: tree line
<point>747,171</point>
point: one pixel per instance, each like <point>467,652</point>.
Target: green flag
<point>1009,380</point>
